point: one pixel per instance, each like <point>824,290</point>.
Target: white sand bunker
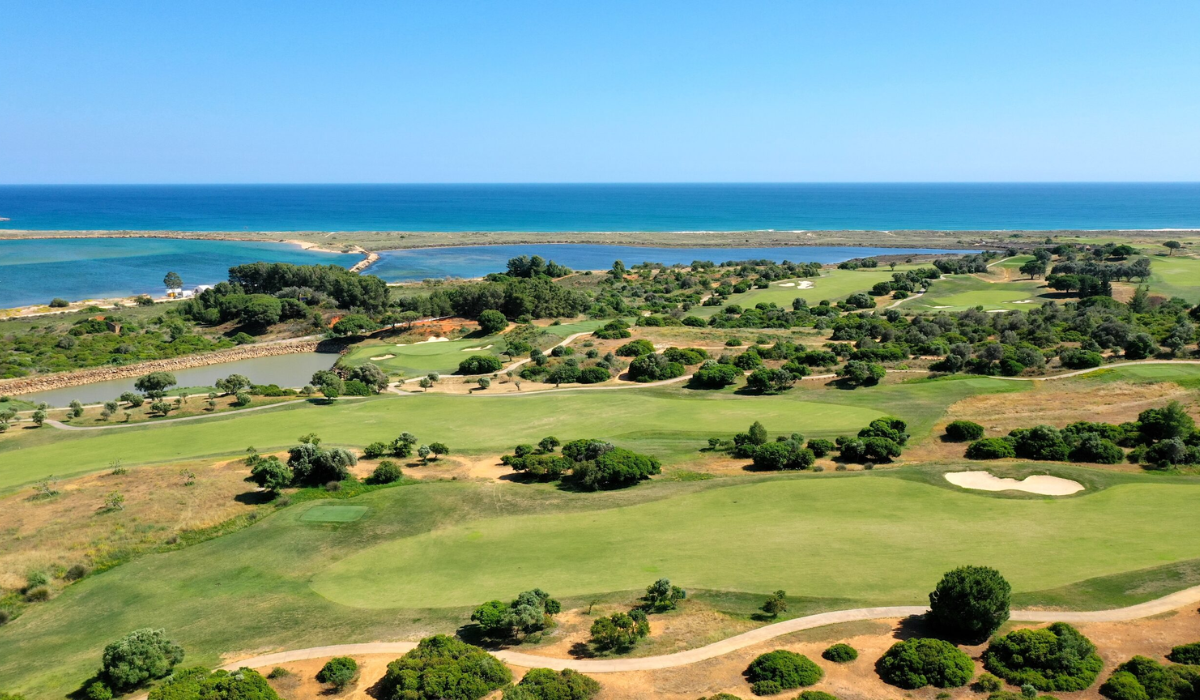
<point>941,307</point>
<point>995,311</point>
<point>805,284</point>
<point>1023,301</point>
<point>485,347</point>
<point>787,284</point>
<point>382,357</point>
<point>434,339</point>
<point>1041,484</point>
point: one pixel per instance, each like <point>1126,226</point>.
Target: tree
<point>423,452</point>
<point>1140,347</point>
<point>492,322</point>
<point>770,381</point>
<point>1033,268</point>
<point>155,384</point>
<point>438,449</point>
<point>545,684</point>
<point>140,656</point>
<point>386,473</point>
<point>661,596</point>
<point>548,444</point>
<point>480,364</point>
<point>713,375</point>
<point>620,630</point>
<point>370,375</point>
<point>443,668</point>
<point>1172,246</point>
<point>858,372</point>
<point>313,465</point>
<point>963,431</point>
<point>615,468</point>
<point>270,473</point>
<point>38,417</point>
<point>261,311</point>
<point>233,384</point>
<point>757,433</point>
<point>1170,421</point>
<point>529,612</point>
<point>330,384</point>
<point>173,281</point>
<point>776,603</point>
<point>338,672</point>
<point>970,603</point>
<point>484,383</point>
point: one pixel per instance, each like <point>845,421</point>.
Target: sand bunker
<point>381,357</point>
<point>1023,301</point>
<point>941,307</point>
<point>1041,484</point>
<point>802,284</point>
<point>485,347</point>
<point>787,284</point>
<point>434,339</point>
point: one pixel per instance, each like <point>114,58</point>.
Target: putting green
<point>868,538</point>
<point>1175,276</point>
<point>333,514</point>
<point>959,292</point>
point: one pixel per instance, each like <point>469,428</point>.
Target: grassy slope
<point>958,292</point>
<point>864,538</point>
<point>671,422</point>
<point>833,285</point>
<point>1176,276</point>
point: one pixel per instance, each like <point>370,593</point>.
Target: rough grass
<point>424,554</point>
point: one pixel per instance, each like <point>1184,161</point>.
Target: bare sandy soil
<point>1117,642</point>
<point>1039,483</point>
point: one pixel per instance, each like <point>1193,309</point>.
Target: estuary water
<point>612,207</point>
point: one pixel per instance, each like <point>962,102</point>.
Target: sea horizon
<point>604,207</point>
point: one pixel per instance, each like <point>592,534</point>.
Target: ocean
<point>624,207</point>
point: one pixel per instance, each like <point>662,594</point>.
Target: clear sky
<point>643,91</point>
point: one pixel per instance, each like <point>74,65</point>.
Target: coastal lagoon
<point>34,271</point>
<point>288,371</point>
<point>477,261</point>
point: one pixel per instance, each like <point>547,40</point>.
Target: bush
<point>594,375</point>
<point>820,447</point>
<point>991,448</point>
<point>338,672</point>
<point>615,468</point>
<point>781,670</point>
<point>653,368</point>
<point>58,303</point>
<point>859,373</point>
<point>840,653</point>
<point>815,695</point>
<point>1141,678</point>
<point>241,399</point>
<point>1041,442</point>
<point>970,603</point>
<point>194,683</point>
<point>789,454</point>
<point>987,683</point>
<point>715,376</point>
<point>916,663</point>
<point>443,668</point>
<point>139,656</point>
<point>1080,359</point>
<point>1095,449</point>
<point>354,387</point>
<point>964,431</point>
<point>1055,658</point>
<point>1186,654</point>
<point>376,450</point>
<point>480,364</point>
<point>636,348</point>
<point>620,630</point>
<point>492,322</point>
<point>545,684</point>
<point>386,473</point>
<point>96,690</point>
<point>686,356</point>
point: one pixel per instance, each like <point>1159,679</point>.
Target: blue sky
<point>150,92</point>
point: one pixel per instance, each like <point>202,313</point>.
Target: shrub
<point>620,630</point>
<point>859,373</point>
<point>1141,678</point>
<point>653,367</point>
<point>1186,654</point>
<point>815,695</point>
<point>593,375</point>
<point>686,356</point>
<point>480,364</point>
<point>139,656</point>
<point>770,381</point>
<point>916,663</point>
<point>545,684</point>
<point>197,682</point>
<point>970,602</point>
<point>987,683</point>
<point>636,348</point>
<point>1055,658</point>
<point>1080,359</point>
<point>529,612</point>
<point>721,696</point>
<point>354,387</point>
<point>76,572</point>
<point>715,376</point>
<point>338,672</point>
<point>1095,449</point>
<point>96,690</point>
<point>789,454</point>
<point>991,448</point>
<point>781,670</point>
<point>615,468</point>
<point>820,447</point>
<point>376,450</point>
<point>964,431</point>
<point>443,668</point>
<point>241,399</point>
<point>387,472</point>
<point>661,596</point>
<point>492,322</point>
<point>840,653</point>
<point>1041,442</point>
<point>58,303</point>
<point>613,330</point>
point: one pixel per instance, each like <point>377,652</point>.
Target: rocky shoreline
<point>62,380</point>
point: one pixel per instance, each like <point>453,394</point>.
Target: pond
<point>285,370</point>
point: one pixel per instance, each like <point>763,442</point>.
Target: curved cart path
<point>1188,596</point>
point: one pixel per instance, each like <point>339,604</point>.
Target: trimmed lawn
<point>960,292</point>
<point>833,285</point>
<point>423,554</point>
<point>1175,276</point>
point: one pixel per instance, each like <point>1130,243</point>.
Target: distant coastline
<point>367,243</point>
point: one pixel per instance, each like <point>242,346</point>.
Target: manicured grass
<point>428,552</point>
<point>832,285</point>
<point>669,423</point>
<point>1175,276</point>
<point>959,292</point>
<point>820,536</point>
<point>333,514</point>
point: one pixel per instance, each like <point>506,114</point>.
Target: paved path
<point>1188,596</point>
<point>63,426</point>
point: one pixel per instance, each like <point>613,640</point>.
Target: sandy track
<point>1188,596</point>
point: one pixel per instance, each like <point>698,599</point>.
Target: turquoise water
<point>36,271</point>
<point>477,261</point>
<point>666,207</point>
